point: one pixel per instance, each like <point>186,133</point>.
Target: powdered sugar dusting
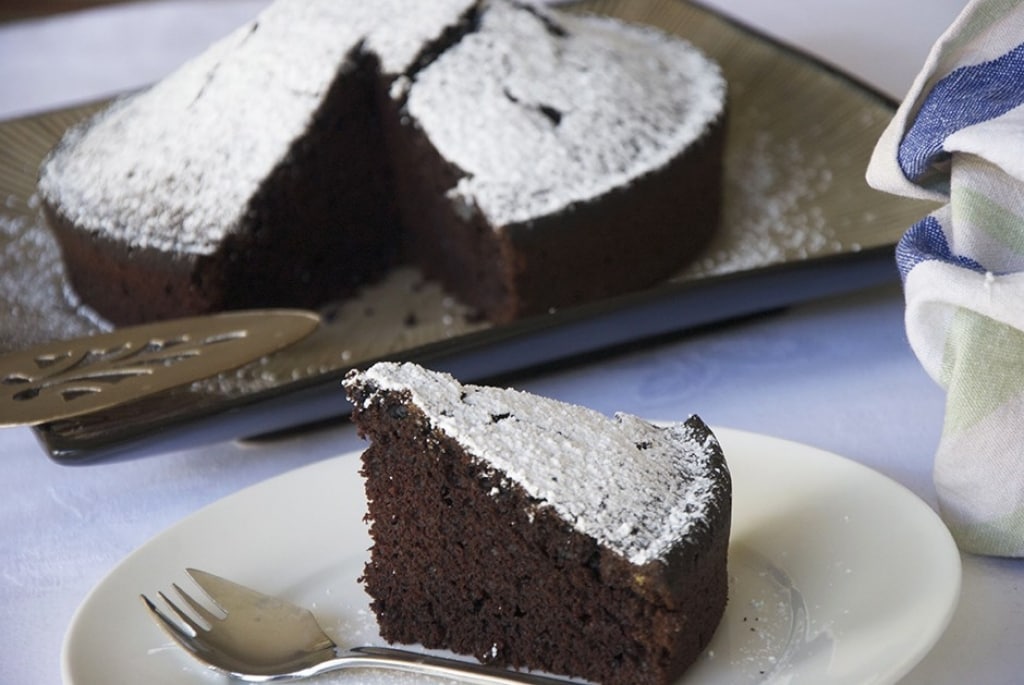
<point>773,211</point>
<point>637,488</point>
<point>173,168</point>
<point>590,105</point>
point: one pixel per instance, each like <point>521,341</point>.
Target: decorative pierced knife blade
<point>75,377</point>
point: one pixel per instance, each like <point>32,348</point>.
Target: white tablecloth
<point>822,373</point>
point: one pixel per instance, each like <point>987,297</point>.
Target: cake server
<point>72,378</point>
<point>258,638</point>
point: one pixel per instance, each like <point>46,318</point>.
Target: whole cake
<point>532,533</point>
<point>499,146</point>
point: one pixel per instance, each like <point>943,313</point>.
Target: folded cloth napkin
<point>958,138</point>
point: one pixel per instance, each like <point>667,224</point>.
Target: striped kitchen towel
<point>958,138</point>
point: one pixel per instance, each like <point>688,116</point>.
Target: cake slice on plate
<point>537,534</point>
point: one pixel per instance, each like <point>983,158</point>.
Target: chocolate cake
<point>497,145</point>
<point>536,534</point>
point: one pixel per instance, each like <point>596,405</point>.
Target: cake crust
<point>470,558</point>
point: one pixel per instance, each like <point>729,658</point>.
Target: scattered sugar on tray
<point>630,498</point>
<point>11,226</point>
<point>773,211</point>
<point>42,308</point>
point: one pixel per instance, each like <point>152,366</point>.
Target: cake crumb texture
<point>536,534</point>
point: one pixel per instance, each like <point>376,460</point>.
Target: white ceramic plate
<point>837,574</point>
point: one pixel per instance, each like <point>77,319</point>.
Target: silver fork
<point>259,638</point>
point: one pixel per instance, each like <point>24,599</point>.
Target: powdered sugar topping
<point>637,488</point>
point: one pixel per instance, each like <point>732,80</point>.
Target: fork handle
<point>397,659</point>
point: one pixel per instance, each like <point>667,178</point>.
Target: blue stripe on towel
<point>925,241</point>
<point>966,96</point>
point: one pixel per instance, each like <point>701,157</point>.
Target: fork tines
<point>186,619</point>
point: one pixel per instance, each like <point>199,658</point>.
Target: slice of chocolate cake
<point>536,534</point>
<point>527,158</point>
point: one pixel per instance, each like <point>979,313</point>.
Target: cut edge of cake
<point>612,615</point>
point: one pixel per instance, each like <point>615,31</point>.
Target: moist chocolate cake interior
<point>296,236</point>
<point>465,559</point>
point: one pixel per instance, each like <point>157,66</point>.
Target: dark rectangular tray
<point>799,223</point>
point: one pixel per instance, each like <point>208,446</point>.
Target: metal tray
<point>799,223</point>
